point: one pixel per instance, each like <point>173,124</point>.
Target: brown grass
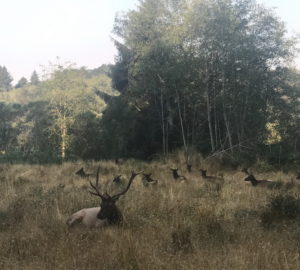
<point>193,225</point>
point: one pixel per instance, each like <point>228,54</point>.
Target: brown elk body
<point>256,182</point>
<point>208,177</point>
<point>83,174</point>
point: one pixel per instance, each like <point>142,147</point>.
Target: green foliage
<point>69,95</point>
<point>210,75</point>
<point>86,137</point>
<point>34,79</point>
<point>21,83</point>
<point>62,111</point>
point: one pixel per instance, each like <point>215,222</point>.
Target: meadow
<point>193,224</point>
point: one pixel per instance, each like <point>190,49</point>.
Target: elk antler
<point>95,187</point>
<point>133,175</point>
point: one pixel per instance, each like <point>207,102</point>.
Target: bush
<point>281,208</point>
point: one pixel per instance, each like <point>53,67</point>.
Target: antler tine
<point>97,191</point>
<point>95,187</point>
<point>133,175</point>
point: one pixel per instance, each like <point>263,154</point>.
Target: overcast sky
<point>34,32</point>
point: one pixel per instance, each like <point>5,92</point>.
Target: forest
<point>212,77</point>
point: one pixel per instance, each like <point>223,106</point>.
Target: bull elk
<point>108,212</point>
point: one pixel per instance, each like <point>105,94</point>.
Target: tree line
<point>212,76</point>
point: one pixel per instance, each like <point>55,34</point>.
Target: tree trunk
<point>63,138</point>
<point>227,129</point>
<point>210,123</point>
<point>181,122</point>
<point>163,123</point>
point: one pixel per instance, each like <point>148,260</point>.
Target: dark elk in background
<point>83,174</point>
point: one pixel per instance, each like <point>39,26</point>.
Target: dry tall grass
<point>174,225</point>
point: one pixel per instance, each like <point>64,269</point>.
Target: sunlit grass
<point>175,225</point>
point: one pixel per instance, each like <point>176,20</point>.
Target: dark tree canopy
<point>206,76</point>
<point>5,79</point>
<point>34,79</point>
<point>21,83</point>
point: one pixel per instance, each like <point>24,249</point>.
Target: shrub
<point>281,208</point>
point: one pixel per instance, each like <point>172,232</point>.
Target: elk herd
<point>109,214</point>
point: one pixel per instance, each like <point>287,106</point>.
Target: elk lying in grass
<point>117,179</point>
<point>256,182</point>
<point>189,167</point>
<point>148,180</point>
<point>83,174</point>
<point>107,213</point>
<point>208,177</point>
<point>176,176</point>
<point>119,161</point>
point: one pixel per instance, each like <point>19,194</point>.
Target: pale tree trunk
<point>227,129</point>
<point>225,114</point>
<point>162,117</point>
<point>208,107</point>
<point>210,123</point>
<point>63,138</point>
<point>181,122</point>
<point>238,131</point>
<point>163,122</point>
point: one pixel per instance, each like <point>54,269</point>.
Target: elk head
<point>147,179</point>
<point>117,179</point>
<point>245,170</point>
<point>203,173</point>
<point>108,208</point>
<point>83,174</point>
<point>175,174</point>
<point>252,179</point>
<point>298,176</point>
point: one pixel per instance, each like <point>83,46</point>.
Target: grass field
<point>197,224</point>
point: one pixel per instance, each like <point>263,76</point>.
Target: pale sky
<point>34,32</point>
